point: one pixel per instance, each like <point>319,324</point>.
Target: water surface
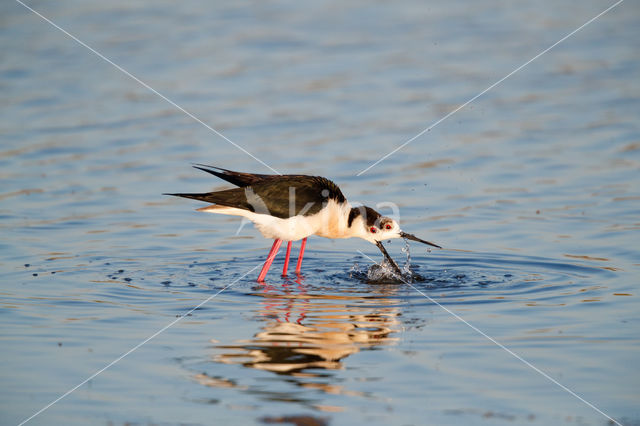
<point>532,190</point>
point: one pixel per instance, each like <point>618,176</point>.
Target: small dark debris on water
<point>127,279</point>
<point>59,344</point>
<point>210,401</point>
<point>491,414</point>
<point>26,265</point>
<point>120,271</point>
<point>35,275</point>
<point>166,283</point>
<point>297,420</point>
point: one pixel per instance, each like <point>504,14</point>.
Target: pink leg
<point>286,259</point>
<point>267,263</point>
<point>304,243</point>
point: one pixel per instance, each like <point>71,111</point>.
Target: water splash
<point>385,272</point>
<point>406,269</point>
<point>355,270</point>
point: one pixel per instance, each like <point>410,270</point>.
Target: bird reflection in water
<point>306,335</point>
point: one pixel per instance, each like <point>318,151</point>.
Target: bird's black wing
<point>280,196</point>
<point>237,178</point>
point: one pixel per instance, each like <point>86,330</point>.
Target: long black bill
<point>414,238</point>
<point>389,259</point>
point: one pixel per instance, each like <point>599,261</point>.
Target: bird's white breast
<point>330,222</point>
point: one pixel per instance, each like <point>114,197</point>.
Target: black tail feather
<point>199,197</point>
<point>237,178</point>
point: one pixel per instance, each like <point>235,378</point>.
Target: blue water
<point>532,190</point>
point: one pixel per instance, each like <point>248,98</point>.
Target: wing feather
<point>281,196</point>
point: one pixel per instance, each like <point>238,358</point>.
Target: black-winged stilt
<point>293,207</point>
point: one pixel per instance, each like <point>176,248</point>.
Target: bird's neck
<point>359,220</point>
<point>337,221</point>
<point>353,221</point>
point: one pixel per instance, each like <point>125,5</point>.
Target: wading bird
<point>293,207</point>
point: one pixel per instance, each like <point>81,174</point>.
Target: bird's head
<point>370,225</point>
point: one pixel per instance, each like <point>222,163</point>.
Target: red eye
<point>373,230</point>
<point>388,226</point>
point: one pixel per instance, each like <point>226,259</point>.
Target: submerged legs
<point>272,255</point>
<point>267,263</point>
<point>286,259</point>
<point>299,264</point>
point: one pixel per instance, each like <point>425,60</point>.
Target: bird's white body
<point>330,222</point>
